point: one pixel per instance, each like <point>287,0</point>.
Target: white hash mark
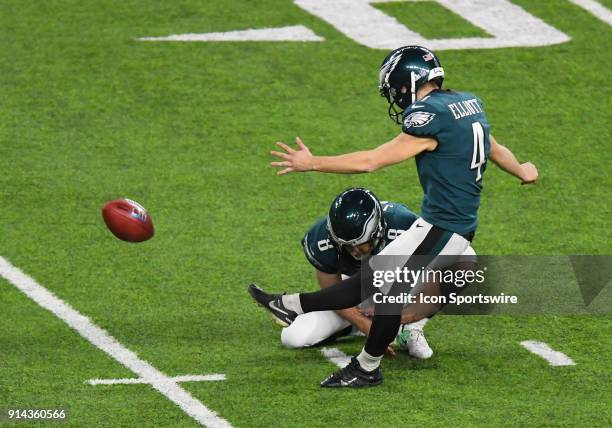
<point>554,358</point>
<point>107,343</point>
<point>336,356</point>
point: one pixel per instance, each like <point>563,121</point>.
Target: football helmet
<point>403,72</point>
<point>355,218</point>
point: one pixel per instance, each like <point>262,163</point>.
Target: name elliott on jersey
<point>465,108</point>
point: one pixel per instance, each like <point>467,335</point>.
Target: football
<point>128,220</point>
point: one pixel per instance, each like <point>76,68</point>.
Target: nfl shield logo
<point>428,57</point>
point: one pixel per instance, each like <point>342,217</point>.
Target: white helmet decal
<point>387,68</point>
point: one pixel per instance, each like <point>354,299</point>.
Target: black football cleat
<point>274,304</point>
<point>353,376</point>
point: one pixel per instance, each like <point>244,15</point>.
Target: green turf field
<point>88,114</point>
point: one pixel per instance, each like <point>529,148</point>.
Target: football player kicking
<point>357,226</point>
<point>448,134</point>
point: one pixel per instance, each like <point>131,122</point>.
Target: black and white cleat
<point>274,304</point>
<point>353,376</point>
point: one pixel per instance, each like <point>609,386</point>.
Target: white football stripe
<point>554,358</point>
<point>295,33</point>
<point>107,343</point>
<point>336,356</point>
<point>596,9</point>
<point>186,378</point>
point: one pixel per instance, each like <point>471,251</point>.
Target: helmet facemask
<point>403,73</point>
<point>373,238</point>
<point>397,98</point>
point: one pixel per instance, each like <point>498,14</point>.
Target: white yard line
<point>107,343</point>
<point>295,33</point>
<point>186,378</point>
<point>336,356</point>
<point>554,358</point>
<point>596,9</point>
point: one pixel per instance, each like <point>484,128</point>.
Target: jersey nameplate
<point>465,108</point>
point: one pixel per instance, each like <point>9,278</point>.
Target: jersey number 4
<point>478,157</point>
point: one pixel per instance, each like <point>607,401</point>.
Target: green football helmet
<point>355,218</point>
<point>403,72</point>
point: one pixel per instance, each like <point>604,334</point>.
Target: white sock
<point>368,362</point>
<point>292,302</point>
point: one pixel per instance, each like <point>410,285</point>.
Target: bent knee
<point>293,337</point>
<point>312,328</point>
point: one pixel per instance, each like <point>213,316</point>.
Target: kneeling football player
<point>357,226</point>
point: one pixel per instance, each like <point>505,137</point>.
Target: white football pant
<point>314,327</point>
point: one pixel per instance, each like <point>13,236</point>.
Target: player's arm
<point>352,315</point>
<point>505,159</point>
<point>400,148</point>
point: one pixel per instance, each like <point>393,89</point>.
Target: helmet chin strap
<point>413,86</point>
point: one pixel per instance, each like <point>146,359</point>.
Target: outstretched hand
<point>529,173</point>
<point>299,160</point>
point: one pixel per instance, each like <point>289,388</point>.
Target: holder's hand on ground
<point>529,173</point>
<point>299,160</point>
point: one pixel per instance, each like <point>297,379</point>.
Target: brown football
<point>128,220</point>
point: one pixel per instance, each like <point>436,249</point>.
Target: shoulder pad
<point>421,119</point>
<point>318,248</point>
<point>398,219</point>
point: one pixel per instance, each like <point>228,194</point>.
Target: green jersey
<point>451,175</point>
<point>324,256</point>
